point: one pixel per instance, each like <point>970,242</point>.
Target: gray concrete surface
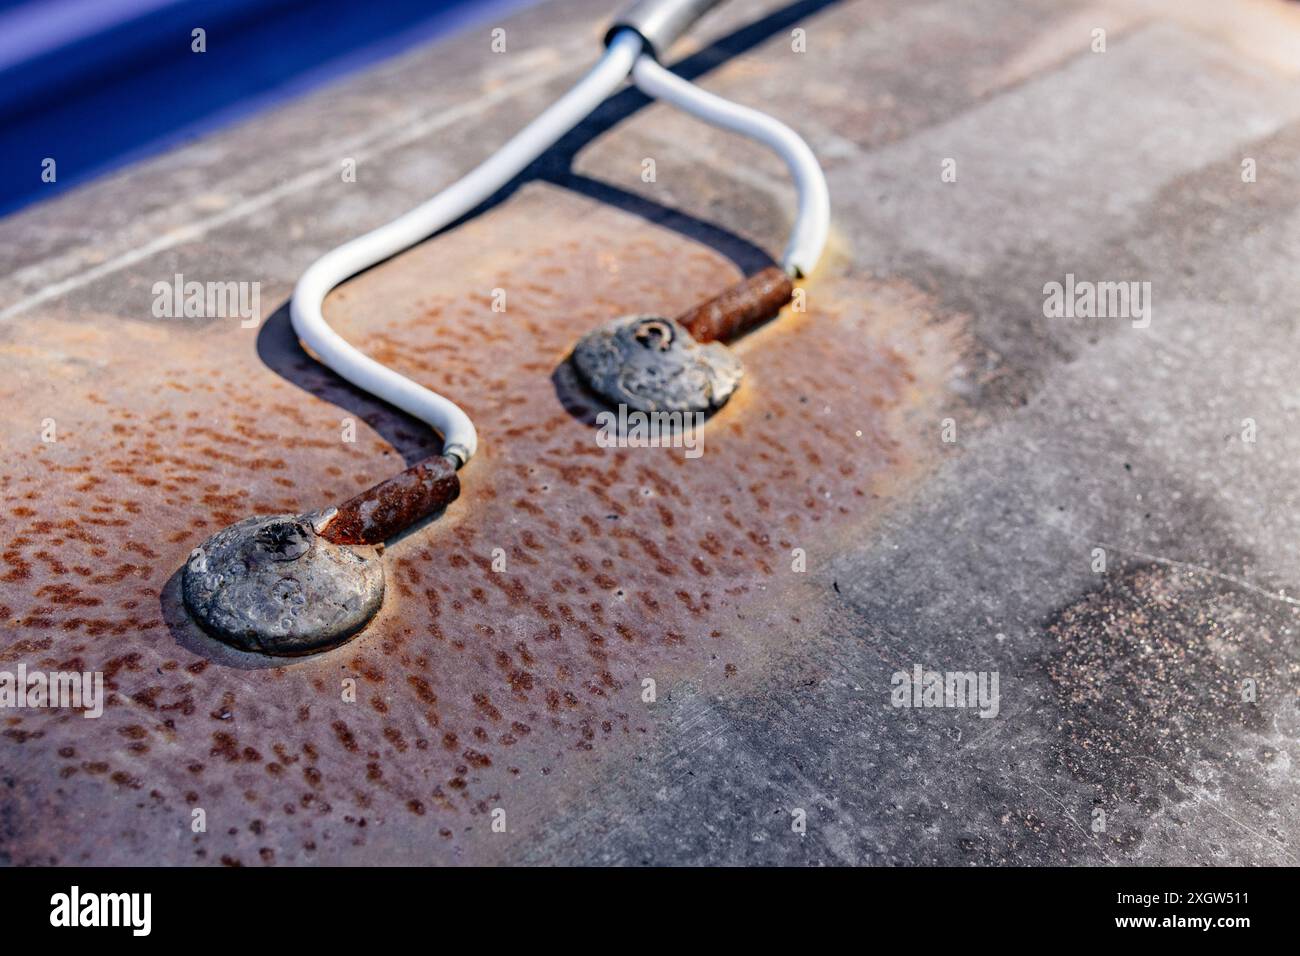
<point>1121,691</point>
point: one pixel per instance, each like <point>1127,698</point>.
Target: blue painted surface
<point>97,84</point>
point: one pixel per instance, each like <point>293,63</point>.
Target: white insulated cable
<point>812,222</point>
<point>623,55</point>
<point>458,435</point>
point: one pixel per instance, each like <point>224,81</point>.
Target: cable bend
<point>812,223</point>
<point>460,440</point>
<point>623,55</point>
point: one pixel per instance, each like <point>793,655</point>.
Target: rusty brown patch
<point>475,688</point>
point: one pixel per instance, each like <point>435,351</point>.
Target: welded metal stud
<point>650,363</point>
<point>297,584</point>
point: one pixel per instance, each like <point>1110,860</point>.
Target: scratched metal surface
<point>521,689</point>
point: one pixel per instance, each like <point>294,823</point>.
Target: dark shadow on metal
<point>574,396</point>
<point>280,351</point>
<point>747,257</point>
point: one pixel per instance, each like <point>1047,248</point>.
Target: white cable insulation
<point>812,223</point>
<point>623,55</point>
<point>458,434</point>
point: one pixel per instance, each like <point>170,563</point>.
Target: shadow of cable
<point>280,350</point>
<point>555,166</point>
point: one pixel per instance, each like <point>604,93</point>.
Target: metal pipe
<point>660,22</point>
<point>739,308</point>
<point>394,504</point>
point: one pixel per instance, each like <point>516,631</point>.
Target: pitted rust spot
<point>478,684</point>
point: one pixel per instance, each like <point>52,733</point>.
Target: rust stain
<point>740,307</point>
<point>394,504</point>
<point>506,666</point>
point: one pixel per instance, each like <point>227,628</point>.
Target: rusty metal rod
<point>740,308</point>
<point>394,504</point>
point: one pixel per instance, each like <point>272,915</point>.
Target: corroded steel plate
<point>505,667</point>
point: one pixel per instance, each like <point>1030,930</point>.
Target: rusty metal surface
<point>507,670</point>
<point>476,688</point>
<point>739,308</point>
